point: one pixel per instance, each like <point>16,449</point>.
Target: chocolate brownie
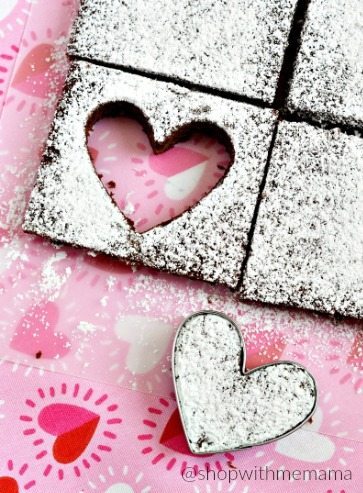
<point>236,46</point>
<point>307,249</point>
<point>328,79</point>
<point>70,204</point>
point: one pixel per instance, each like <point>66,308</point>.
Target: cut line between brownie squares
<point>69,203</point>
<point>307,247</point>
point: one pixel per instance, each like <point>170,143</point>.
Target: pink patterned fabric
<point>86,396</point>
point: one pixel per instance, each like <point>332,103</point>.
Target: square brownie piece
<point>307,249</point>
<point>69,203</point>
<point>328,79</point>
<point>236,46</point>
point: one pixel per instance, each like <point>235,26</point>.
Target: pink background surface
<point>90,337</point>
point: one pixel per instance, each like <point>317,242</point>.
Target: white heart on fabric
<point>307,446</point>
<point>148,339</point>
<point>183,184</point>
<point>6,7</point>
<point>222,406</point>
<point>120,488</point>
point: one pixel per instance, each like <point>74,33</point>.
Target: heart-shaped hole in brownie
<point>153,184</point>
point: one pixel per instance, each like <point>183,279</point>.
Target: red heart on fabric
<point>73,426</point>
<point>173,436</point>
<point>8,485</point>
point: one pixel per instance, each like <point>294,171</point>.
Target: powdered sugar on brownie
<point>223,409</point>
<point>328,79</point>
<point>234,46</point>
<point>307,249</point>
<point>70,204</point>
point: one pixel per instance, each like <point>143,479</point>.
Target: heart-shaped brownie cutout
<point>152,187</point>
<point>222,406</point>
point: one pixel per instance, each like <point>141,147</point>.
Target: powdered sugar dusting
<point>223,409</point>
<point>70,204</point>
<point>328,80</point>
<point>256,320</point>
<point>307,248</point>
<point>236,45</point>
<point>52,281</point>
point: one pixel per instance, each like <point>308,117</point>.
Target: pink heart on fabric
<point>151,189</point>
<point>35,333</point>
<point>30,77</point>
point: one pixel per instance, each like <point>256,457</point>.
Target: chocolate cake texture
<point>235,45</point>
<point>69,203</point>
<point>307,248</point>
<point>328,78</point>
<point>285,224</point>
